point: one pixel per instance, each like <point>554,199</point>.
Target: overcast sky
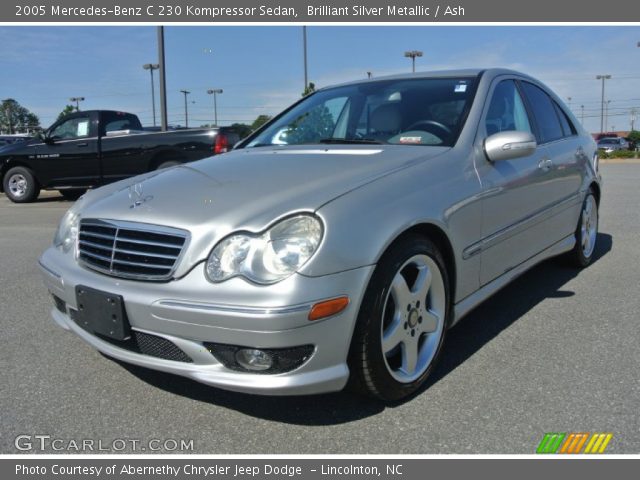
<point>260,69</point>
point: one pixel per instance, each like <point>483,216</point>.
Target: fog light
<point>253,359</point>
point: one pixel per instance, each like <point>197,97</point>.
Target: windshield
<point>608,141</point>
<point>425,111</point>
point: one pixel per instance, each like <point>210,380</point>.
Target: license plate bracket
<point>102,313</point>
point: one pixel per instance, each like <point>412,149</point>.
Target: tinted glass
<point>506,110</point>
<point>114,121</point>
<point>547,120</point>
<point>77,127</point>
<point>404,111</point>
<point>567,127</point>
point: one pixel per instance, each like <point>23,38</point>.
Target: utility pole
<point>412,54</point>
<point>151,67</point>
<point>582,115</point>
<point>215,92</point>
<point>304,48</point>
<point>163,80</point>
<point>603,78</point>
<point>186,110</point>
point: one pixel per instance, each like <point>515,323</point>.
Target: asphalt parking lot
<point>557,351</point>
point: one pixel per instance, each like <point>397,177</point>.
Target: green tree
<point>634,136</point>
<point>14,118</point>
<point>242,128</point>
<point>309,89</point>
<point>66,111</point>
<point>311,126</point>
<point>258,122</point>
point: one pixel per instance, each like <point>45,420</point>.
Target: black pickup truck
<point>95,147</point>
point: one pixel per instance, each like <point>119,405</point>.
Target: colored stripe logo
<point>574,442</point>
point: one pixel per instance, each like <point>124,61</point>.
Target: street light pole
<point>186,111</point>
<point>582,115</point>
<point>215,92</point>
<point>412,54</point>
<point>77,100</point>
<point>163,80</point>
<point>304,47</point>
<point>151,67</point>
<point>606,116</point>
<point>603,78</point>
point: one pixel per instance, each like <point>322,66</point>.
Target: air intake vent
<point>130,250</point>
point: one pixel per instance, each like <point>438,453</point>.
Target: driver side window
<point>506,110</point>
<point>73,128</point>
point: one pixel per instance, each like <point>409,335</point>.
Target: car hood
<point>247,189</point>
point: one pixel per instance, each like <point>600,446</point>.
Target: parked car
<point>338,243</point>
<point>11,139</point>
<point>96,147</point>
<point>612,144</point>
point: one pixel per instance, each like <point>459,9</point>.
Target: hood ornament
<point>136,195</point>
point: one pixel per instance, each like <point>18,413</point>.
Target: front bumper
<point>190,312</point>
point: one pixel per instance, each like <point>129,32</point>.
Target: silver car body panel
<point>499,219</point>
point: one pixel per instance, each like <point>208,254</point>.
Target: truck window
<point>76,127</point>
<point>114,121</point>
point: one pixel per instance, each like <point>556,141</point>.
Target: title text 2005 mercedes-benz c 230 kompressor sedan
<point>337,243</point>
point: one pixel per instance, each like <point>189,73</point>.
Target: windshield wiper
<point>353,141</point>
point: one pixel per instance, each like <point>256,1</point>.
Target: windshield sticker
<point>410,139</point>
<point>460,88</point>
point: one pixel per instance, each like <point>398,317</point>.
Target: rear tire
<point>20,185</point>
<point>586,233</point>
<point>72,193</point>
<point>402,322</point>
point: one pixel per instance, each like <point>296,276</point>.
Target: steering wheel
<point>431,127</point>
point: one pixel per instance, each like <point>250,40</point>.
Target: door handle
<point>580,152</point>
<point>84,144</point>
<point>545,164</point>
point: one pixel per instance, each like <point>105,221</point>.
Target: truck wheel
<point>20,185</point>
<point>72,193</point>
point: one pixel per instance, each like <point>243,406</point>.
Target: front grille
<point>130,250</point>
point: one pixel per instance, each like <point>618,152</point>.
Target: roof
<point>469,72</point>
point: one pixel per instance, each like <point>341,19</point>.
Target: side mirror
<point>509,145</point>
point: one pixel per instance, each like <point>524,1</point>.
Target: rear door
<point>70,159</point>
<point>568,156</point>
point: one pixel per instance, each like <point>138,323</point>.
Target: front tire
<point>20,185</point>
<point>402,322</point>
<point>586,233</point>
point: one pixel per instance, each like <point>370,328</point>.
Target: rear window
<point>114,121</point>
<point>544,112</point>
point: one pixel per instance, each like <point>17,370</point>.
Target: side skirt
<point>464,306</point>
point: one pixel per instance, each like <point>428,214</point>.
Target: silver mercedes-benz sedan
<point>337,244</point>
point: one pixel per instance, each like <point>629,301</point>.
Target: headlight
<point>65,237</point>
<point>268,257</point>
